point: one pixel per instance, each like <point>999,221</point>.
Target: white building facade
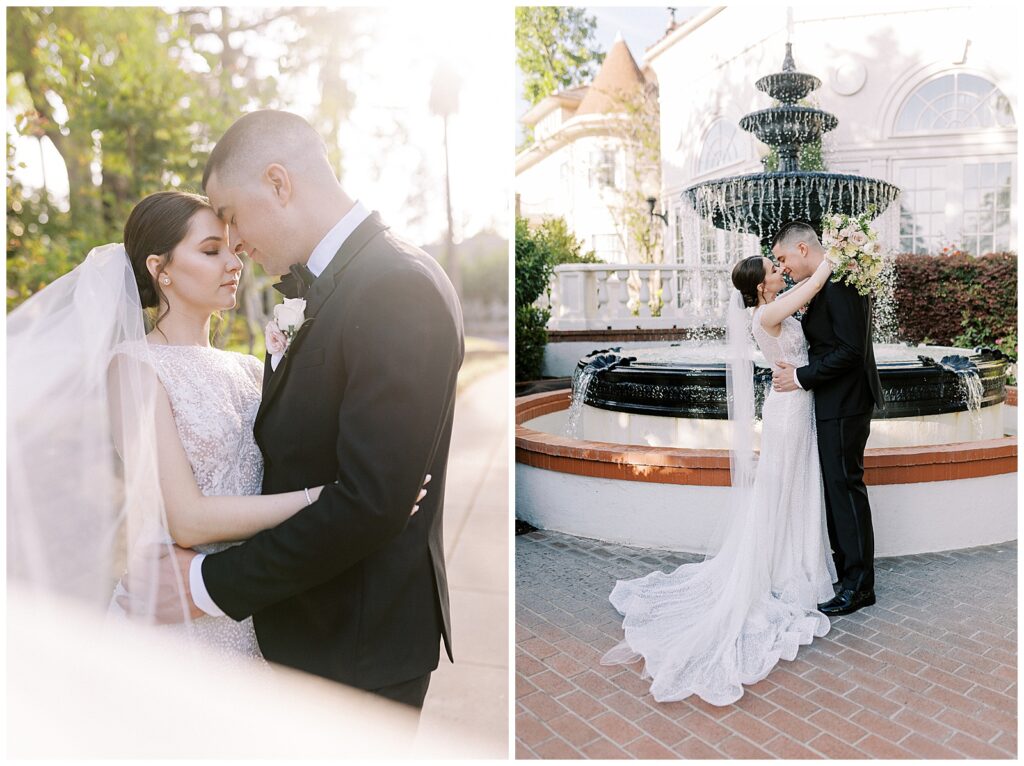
<point>580,164</point>
<point>579,180</point>
<point>926,99</point>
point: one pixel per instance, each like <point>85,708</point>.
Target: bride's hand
<point>156,585</point>
<point>314,493</point>
<point>421,495</point>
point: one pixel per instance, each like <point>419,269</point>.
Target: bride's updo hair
<point>155,227</point>
<point>747,275</point>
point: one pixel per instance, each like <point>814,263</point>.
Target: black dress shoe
<point>847,601</point>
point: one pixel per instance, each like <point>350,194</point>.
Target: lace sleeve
<point>255,368</point>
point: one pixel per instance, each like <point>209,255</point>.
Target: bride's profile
<point>710,627</point>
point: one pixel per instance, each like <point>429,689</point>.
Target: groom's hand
<point>158,585</point>
<point>784,377</point>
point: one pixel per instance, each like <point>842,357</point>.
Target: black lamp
<point>651,202</point>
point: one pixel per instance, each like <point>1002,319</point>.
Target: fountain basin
<point>788,87</point>
<point>788,125</point>
<point>760,203</point>
<point>929,497</point>
<point>689,381</point>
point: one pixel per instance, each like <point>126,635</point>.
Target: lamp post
<point>444,102</point>
<point>651,204</point>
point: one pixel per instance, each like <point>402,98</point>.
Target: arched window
<point>963,199</point>
<point>955,102</point>
<point>722,146</point>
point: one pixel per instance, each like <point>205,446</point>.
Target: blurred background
<point>107,105</point>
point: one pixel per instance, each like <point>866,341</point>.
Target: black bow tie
<point>296,283</point>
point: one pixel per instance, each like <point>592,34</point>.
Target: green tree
<point>637,128</point>
<point>555,49</point>
<point>533,270</point>
<point>560,245</point>
<point>106,86</point>
<point>229,39</point>
<point>538,251</point>
<point>133,99</point>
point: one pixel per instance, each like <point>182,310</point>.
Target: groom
<point>351,588</point>
<point>842,374</point>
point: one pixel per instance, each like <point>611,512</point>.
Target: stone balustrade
<point>621,296</point>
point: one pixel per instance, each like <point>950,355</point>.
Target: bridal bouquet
<point>852,247</point>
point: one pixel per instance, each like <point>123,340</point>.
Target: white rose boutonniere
<point>282,329</point>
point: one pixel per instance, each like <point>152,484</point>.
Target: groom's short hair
<point>260,138</point>
<point>795,231</point>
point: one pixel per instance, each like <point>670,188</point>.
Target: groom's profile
<point>350,588</point>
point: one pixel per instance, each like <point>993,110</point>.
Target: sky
<point>641,27</point>
<point>393,85</point>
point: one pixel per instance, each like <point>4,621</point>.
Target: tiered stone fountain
<point>645,459</point>
<point>688,381</point>
<point>761,202</point>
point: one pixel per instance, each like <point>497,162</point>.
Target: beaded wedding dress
<point>214,396</point>
<point>710,627</point>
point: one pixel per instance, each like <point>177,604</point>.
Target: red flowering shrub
<point>957,299</point>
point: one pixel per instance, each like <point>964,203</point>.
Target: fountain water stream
<point>972,389</point>
<point>606,359</point>
<point>580,384</point>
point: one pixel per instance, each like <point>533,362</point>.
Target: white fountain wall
<point>907,518</point>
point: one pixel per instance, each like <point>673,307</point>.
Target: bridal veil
<point>83,492</point>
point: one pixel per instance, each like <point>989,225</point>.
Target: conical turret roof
<point>618,78</point>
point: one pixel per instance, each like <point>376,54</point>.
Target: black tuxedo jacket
<point>841,367</point>
<point>352,588</point>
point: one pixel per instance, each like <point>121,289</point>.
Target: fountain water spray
<point>760,203</point>
<point>972,390</point>
<point>602,360</point>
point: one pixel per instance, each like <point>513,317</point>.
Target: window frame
<point>895,132</point>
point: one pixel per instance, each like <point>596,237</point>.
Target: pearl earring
<point>166,280</point>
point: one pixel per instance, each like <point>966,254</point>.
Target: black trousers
<point>841,452</point>
<point>410,693</point>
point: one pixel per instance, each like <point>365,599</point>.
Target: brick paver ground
<point>929,672</point>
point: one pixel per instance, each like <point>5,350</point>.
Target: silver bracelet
<point>309,500</point>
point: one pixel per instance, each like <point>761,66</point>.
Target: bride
<point>710,627</point>
<point>122,443</point>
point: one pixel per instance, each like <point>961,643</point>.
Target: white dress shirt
<point>319,260</point>
<point>324,253</point>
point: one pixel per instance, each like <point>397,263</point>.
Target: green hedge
<point>533,270</point>
<point>538,251</point>
<point>958,299</point>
